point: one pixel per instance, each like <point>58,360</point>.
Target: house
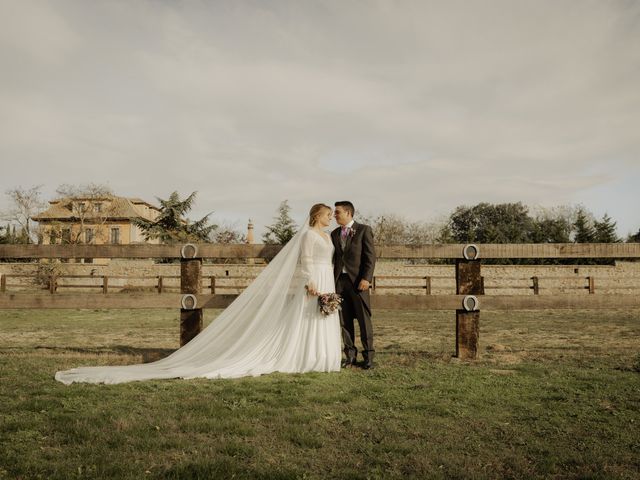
<point>94,220</point>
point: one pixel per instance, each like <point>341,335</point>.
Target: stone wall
<point>623,278</point>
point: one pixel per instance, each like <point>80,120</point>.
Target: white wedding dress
<point>273,326</point>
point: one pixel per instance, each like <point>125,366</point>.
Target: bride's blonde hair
<point>315,212</point>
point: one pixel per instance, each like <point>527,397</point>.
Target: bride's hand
<point>311,289</point>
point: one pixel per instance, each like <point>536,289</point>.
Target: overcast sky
<point>405,107</point>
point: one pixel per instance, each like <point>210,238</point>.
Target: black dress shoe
<point>348,362</point>
<point>367,366</point>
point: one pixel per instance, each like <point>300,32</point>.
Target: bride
<point>275,325</point>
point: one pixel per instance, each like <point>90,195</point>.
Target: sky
<point>404,107</point>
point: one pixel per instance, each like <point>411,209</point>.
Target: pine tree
<point>605,230</point>
<point>284,227</point>
<point>171,226</point>
<point>585,232</point>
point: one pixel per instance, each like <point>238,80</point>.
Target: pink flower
<point>329,303</point>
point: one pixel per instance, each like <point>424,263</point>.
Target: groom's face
<point>342,215</point>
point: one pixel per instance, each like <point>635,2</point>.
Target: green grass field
<point>555,394</point>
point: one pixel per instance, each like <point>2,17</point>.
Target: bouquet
<point>329,303</point>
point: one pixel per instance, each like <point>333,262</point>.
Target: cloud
<point>414,106</point>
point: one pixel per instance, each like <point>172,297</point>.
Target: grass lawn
<point>556,394</point>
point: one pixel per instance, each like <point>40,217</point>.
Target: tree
<point>87,190</point>
<point>393,229</point>
<point>488,223</point>
<point>605,230</point>
<point>228,234</point>
<point>553,224</point>
<point>83,202</point>
<point>388,229</point>
<point>25,203</point>
<point>583,227</point>
<point>171,226</point>
<point>284,227</point>
<point>551,230</point>
<point>634,238</point>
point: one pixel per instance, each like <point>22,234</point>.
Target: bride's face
<point>324,219</point>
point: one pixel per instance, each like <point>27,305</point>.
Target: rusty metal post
<point>468,282</point>
<point>190,283</point>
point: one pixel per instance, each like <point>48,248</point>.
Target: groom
<point>353,262</point>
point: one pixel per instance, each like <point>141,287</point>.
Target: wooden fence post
<point>3,283</point>
<point>159,287</point>
<point>468,282</point>
<point>536,285</point>
<point>427,285</point>
<point>105,284</point>
<point>190,282</point>
<point>592,285</point>
<point>53,284</point>
<point>213,285</point>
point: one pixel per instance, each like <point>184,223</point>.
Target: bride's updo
<point>316,211</point>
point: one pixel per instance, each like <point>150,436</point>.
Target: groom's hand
<point>364,285</point>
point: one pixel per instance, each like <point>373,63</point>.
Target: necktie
<point>344,232</point>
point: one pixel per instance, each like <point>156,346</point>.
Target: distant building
<point>94,220</point>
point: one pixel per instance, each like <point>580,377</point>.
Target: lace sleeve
<point>306,256</point>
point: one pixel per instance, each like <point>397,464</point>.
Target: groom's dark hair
<point>348,206</point>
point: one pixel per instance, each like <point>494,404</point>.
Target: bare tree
<point>84,202</point>
<point>228,233</point>
<point>394,229</point>
<point>87,190</point>
<point>25,203</point>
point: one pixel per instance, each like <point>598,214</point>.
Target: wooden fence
<point>216,284</point>
<point>468,298</point>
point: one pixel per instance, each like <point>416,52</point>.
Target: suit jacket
<point>358,257</point>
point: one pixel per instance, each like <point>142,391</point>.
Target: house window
<point>115,235</point>
<point>81,207</point>
<point>88,235</point>
<point>97,207</point>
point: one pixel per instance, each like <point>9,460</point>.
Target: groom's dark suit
<point>357,256</point>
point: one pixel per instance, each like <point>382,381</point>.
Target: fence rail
<point>400,302</point>
<point>215,283</point>
<point>441,251</point>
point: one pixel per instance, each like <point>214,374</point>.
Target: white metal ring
<point>466,254</point>
<point>189,302</point>
<point>471,303</point>
<point>184,248</point>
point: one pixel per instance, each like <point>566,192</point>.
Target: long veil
<point>253,335</point>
